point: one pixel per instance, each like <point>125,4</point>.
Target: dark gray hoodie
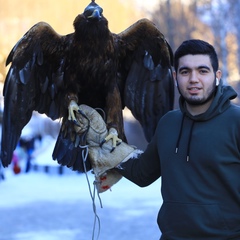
<point>198,158</point>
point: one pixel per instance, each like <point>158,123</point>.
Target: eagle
<point>53,74</point>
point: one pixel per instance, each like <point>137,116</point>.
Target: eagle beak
<point>95,14</point>
<point>93,11</point>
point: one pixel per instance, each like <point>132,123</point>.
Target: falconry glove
<point>101,152</point>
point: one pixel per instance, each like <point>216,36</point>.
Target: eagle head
<point>93,11</point>
<point>91,26</point>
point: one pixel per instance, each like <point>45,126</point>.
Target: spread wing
<point>146,71</point>
<point>34,82</point>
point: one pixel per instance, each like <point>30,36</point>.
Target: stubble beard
<point>197,101</point>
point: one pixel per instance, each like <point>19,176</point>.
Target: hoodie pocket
<point>190,220</point>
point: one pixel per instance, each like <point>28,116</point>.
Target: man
<point>196,152</point>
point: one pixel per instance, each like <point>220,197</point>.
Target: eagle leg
<point>112,135</point>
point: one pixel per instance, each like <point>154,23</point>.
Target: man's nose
<point>193,77</point>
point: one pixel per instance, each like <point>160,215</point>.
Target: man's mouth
<point>194,90</point>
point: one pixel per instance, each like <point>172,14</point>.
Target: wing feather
<point>34,81</point>
<point>146,69</point>
<point>68,152</point>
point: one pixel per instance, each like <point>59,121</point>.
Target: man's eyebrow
<point>198,67</point>
<point>203,66</point>
<point>183,68</point>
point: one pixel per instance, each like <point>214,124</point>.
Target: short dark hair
<point>196,46</point>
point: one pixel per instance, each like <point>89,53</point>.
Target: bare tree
<point>215,14</point>
<point>235,19</point>
<point>178,21</point>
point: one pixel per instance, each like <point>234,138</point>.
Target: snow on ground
<point>49,206</point>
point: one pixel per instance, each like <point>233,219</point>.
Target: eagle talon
<point>112,135</point>
<point>103,141</point>
<point>112,149</point>
<point>75,122</point>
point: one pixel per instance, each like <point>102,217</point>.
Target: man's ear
<point>218,77</point>
<point>175,78</point>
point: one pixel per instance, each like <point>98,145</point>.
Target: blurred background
<point>215,21</point>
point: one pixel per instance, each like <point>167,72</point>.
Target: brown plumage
<point>91,66</point>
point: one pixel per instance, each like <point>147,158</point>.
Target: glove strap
<point>92,194</point>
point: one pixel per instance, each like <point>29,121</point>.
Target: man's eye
<point>203,71</point>
<point>184,72</point>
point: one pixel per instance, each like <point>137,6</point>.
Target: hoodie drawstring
<point>180,134</point>
<point>189,138</point>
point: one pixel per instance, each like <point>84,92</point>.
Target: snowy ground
<point>49,206</point>
<point>37,206</point>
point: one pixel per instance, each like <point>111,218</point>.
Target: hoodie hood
<point>219,104</point>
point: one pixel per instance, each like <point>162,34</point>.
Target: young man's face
<point>196,79</point>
